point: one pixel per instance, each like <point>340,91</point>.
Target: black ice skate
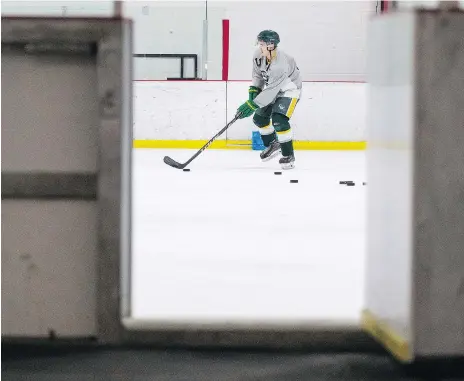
<point>269,152</point>
<point>287,162</point>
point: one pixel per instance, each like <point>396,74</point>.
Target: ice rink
<point>231,242</point>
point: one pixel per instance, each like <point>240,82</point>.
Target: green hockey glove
<point>247,109</point>
<point>253,92</point>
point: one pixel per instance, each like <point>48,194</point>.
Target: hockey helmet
<point>269,37</point>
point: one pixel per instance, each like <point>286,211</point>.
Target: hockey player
<point>274,93</point>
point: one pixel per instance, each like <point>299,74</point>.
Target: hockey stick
<point>178,165</point>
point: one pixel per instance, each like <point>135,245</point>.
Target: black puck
<point>293,181</point>
<point>364,183</point>
<point>277,173</point>
<point>186,170</point>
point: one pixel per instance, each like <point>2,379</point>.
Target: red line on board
<point>225,49</point>
<point>384,5</point>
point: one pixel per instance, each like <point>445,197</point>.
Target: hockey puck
<point>186,170</point>
<point>277,173</point>
<point>364,183</point>
<point>293,181</point>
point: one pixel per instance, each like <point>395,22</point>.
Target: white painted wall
<point>165,27</point>
<point>102,8</point>
<point>326,37</point>
<point>168,111</point>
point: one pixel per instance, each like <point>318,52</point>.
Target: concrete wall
<point>49,256</point>
<point>415,269</point>
<point>389,161</point>
<point>439,185</point>
<point>53,137</point>
<point>424,4</point>
<point>49,248</point>
<point>66,182</point>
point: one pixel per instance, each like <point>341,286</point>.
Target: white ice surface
<point>230,242</point>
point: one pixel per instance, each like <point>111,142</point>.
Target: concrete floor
<point>104,364</point>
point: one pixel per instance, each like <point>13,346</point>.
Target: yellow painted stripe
<point>315,145</point>
<point>217,144</point>
<point>380,331</point>
<point>291,108</point>
<point>245,144</point>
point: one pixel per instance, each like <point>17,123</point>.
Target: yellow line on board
<point>303,145</point>
<point>245,144</point>
<point>217,144</point>
<point>380,331</point>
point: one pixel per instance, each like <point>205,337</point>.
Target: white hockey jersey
<point>279,78</point>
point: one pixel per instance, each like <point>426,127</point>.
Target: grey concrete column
<point>66,162</point>
<point>415,244</point>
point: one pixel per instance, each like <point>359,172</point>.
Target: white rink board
<point>237,93</point>
<point>331,112</point>
<point>327,111</point>
<point>165,110</point>
<point>177,110</point>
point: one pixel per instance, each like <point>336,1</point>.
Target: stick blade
<point>172,163</point>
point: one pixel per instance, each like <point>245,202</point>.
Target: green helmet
<point>269,37</point>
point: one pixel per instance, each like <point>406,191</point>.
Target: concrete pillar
<point>415,258</point>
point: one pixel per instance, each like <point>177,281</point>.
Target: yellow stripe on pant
<point>291,108</point>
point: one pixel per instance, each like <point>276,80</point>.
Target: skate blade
<point>271,156</point>
<point>288,166</point>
